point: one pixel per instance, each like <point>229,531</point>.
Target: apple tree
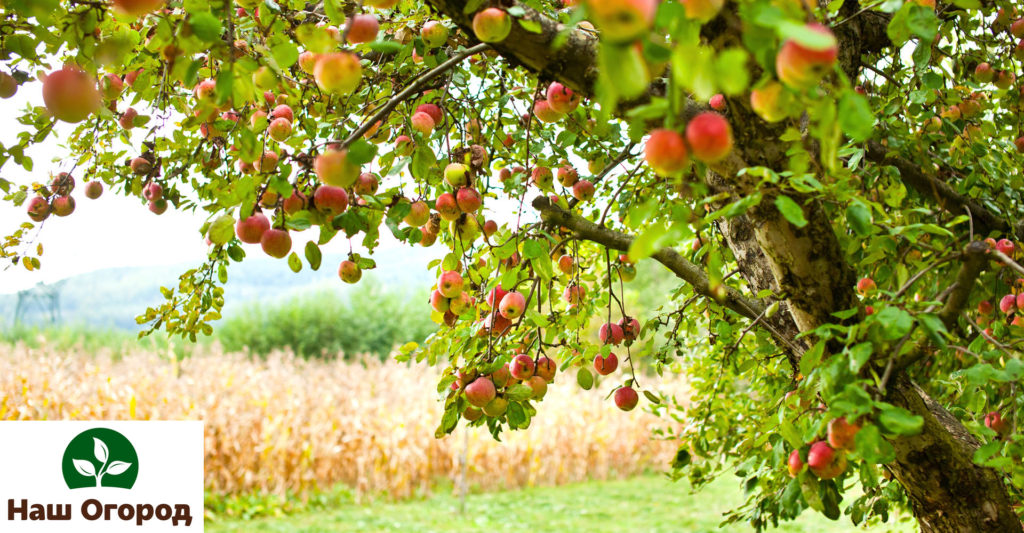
<point>836,186</point>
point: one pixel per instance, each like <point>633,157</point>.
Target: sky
<point>113,230</point>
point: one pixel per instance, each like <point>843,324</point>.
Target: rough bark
<point>948,492</point>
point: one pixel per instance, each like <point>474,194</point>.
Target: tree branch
<point>942,193</point>
<point>615,240</point>
<point>975,257</point>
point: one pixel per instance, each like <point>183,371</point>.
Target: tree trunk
<point>947,491</point>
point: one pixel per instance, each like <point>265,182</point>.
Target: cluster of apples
<point>1010,304</point>
<point>798,68</point>
<point>56,199</point>
<point>708,138</point>
<point>490,394</point>
<point>450,298</point>
<point>826,458</point>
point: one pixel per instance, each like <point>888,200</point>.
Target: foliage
<point>879,148</point>
<point>370,319</point>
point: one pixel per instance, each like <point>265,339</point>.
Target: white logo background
<point>170,472</point>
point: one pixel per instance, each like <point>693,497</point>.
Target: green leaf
<point>858,216</point>
<point>872,447</point>
<point>294,262</point>
<point>361,152</point>
<point>731,70</point>
<point>859,355</point>
<point>855,116</point>
<point>313,255</point>
<point>285,53</point>
<point>584,378</point>
<point>812,358</point>
<point>520,392</point>
<point>899,421</point>
<point>791,210</point>
<point>206,26</point>
<point>894,322</point>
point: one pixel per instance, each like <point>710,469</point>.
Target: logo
<point>100,457</point>
<point>101,477</point>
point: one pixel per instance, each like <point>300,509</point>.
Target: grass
<point>647,503</point>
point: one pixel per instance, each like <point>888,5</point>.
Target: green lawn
<point>644,504</point>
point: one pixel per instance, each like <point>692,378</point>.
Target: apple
<point>539,386</point>
<point>1019,142</point>
<point>866,286</point>
<point>127,120</point>
<point>772,102</point>
<point>8,85</point>
<point>338,73</point>
<point>1017,28</point>
<point>561,98</point>
<point>522,367</point>
<point>627,273</point>
<point>583,190</point>
<point>429,236</point>
<point>984,73</point>
<point>1008,304</point>
<point>717,102</point>
<point>70,94</point>
<point>450,284</point>
<point>626,398</point>
<point>665,152</point>
<point>349,272</point>
<point>363,29</point>
<point>307,61</point>
<point>546,368</point>
<point>1005,246</point>
<point>422,122</point>
<point>544,113</point>
<point>610,334</point>
<point>267,163</point>
<point>434,34</point>
<point>795,464</point>
<point>433,110</point>
<point>495,295</point>
<point>331,201</point>
<point>607,364</point>
<point>93,190</point>
<point>565,264</point>
<point>471,413</point>
<point>158,206</point>
<point>332,167</point>
<point>490,228</point>
<point>419,214</point>
<point>630,328</point>
<point>542,178</point>
<point>280,129</point>
<point>995,422</point>
<point>205,91</point>
<point>709,136</point>
<point>567,176</point>
<point>480,392</point>
<point>439,303</point>
<point>622,21</point>
<point>456,175</point>
<point>137,8</point>
<point>496,407</point>
<point>404,145</point>
<point>111,86</point>
<point>251,229</point>
<point>824,461</point>
<point>460,303</point>
<point>62,184</point>
<point>1004,79</point>
<point>841,433</point>
<point>153,192</point>
<point>985,307</point>
<point>294,203</point>
<point>447,207</point>
<point>366,184</point>
<point>512,305</point>
<point>492,25</point>
<point>276,242</point>
<point>63,206</point>
<point>574,294</point>
<point>38,209</point>
<point>800,66</point>
<point>468,199</point>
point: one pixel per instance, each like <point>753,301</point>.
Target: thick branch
<point>985,221</point>
<point>615,240</point>
<point>975,257</point>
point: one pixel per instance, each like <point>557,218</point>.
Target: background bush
<point>368,319</point>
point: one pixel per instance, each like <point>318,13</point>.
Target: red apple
<point>709,136</point>
<point>583,190</point>
<point>338,73</point>
<point>276,243</point>
<point>841,433</point>
<point>70,94</point>
<point>522,367</point>
<point>450,284</point>
<point>824,461</point>
<point>512,305</point>
<point>795,464</point>
<point>665,152</point>
<point>252,228</point>
<point>331,201</point>
<point>363,29</point>
<point>626,398</point>
<point>607,364</point>
<point>93,190</point>
<point>561,98</point>
<point>800,66</point>
<point>622,21</point>
<point>480,392</point>
<point>492,25</point>
<point>333,168</point>
<point>434,34</point>
<point>610,334</point>
<point>468,199</point>
<point>349,272</point>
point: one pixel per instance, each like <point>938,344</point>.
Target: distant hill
<point>114,297</point>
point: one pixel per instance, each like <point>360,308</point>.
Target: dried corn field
<point>287,424</point>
